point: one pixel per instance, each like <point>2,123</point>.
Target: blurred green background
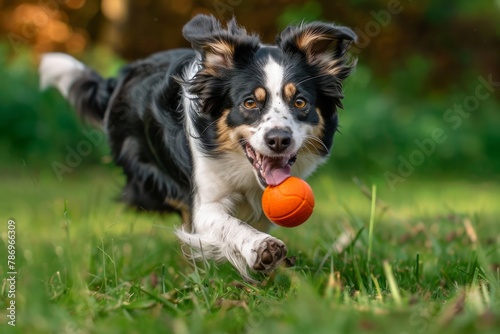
<point>421,123</point>
<point>418,105</point>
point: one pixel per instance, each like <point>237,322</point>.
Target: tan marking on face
<point>224,132</point>
<point>290,90</point>
<point>227,137</point>
<point>318,130</point>
<point>315,145</point>
<point>260,94</point>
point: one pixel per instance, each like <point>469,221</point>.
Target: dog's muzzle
<point>271,170</point>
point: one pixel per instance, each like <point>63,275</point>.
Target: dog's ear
<point>322,44</point>
<point>198,30</point>
<point>220,49</point>
<point>218,46</point>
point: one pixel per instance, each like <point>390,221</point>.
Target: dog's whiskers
<point>310,139</point>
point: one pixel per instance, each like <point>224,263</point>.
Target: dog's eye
<point>300,103</point>
<point>250,104</point>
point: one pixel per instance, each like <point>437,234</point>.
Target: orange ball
<point>288,204</point>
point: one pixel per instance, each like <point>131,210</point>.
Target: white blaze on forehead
<point>274,79</point>
<point>278,114</point>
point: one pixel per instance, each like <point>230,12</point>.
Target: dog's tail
<point>87,91</point>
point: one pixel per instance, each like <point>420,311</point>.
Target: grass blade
<point>372,222</point>
<point>393,285</point>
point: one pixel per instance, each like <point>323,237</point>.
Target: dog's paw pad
<point>269,254</point>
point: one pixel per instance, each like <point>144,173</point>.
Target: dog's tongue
<point>275,170</point>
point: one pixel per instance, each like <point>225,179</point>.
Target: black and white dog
<point>202,132</point>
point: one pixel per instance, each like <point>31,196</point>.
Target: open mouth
<point>271,170</point>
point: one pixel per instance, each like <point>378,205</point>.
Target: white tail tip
<point>59,70</point>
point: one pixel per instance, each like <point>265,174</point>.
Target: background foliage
<point>416,65</point>
<point>421,259</point>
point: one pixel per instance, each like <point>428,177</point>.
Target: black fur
<point>144,116</point>
<point>91,94</point>
<point>145,124</point>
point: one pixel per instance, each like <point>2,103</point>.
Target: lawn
<point>422,259</point>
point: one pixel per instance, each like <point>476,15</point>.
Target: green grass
<point>422,259</point>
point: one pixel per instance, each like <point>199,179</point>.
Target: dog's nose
<point>278,140</point>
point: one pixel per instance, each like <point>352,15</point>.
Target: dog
<point>203,131</point>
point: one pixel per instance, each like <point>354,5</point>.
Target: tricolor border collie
<point>203,131</point>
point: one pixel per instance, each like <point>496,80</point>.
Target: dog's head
<point>269,102</point>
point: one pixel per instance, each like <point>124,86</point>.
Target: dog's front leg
<point>218,235</point>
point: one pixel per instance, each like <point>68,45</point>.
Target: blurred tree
<point>449,35</point>
<point>416,60</point>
